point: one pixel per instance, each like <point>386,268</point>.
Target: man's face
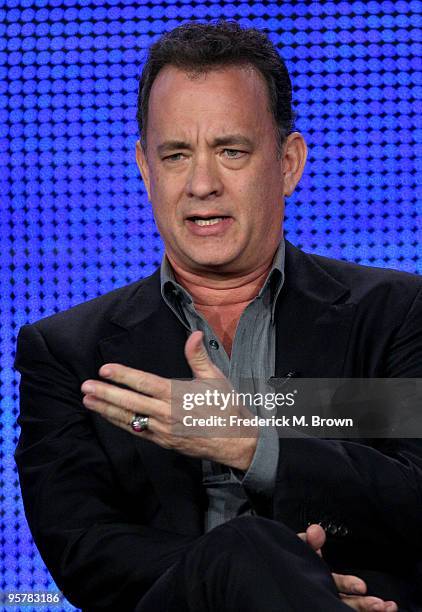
<point>211,169</point>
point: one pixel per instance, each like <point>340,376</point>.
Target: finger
<point>198,358</point>
<point>315,536</point>
<point>146,434</point>
<point>113,412</point>
<point>367,603</point>
<point>108,411</point>
<point>315,539</point>
<point>155,432</point>
<point>349,584</point>
<point>125,399</point>
<point>390,606</point>
<point>138,380</point>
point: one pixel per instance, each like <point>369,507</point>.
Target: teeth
<point>212,221</point>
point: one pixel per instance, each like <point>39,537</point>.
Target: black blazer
<point>110,513</point>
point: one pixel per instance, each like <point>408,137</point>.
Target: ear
<point>294,156</point>
<point>141,160</point>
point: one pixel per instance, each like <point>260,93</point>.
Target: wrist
<point>247,448</point>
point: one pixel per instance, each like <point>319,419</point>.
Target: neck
<point>225,291</point>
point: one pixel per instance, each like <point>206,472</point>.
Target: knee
<point>256,530</point>
<point>243,539</point>
<point>221,541</point>
<point>250,525</point>
<point>237,531</point>
<point>222,545</point>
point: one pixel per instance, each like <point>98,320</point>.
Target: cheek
<point>265,208</point>
<point>262,182</point>
<point>166,191</point>
<point>272,193</point>
<point>156,183</point>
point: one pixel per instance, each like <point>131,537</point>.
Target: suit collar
<point>141,304</point>
<point>314,318</point>
<point>303,275</point>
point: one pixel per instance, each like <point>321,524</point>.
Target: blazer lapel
<point>313,319</point>
<point>152,339</point>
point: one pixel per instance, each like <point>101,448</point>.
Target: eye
<point>234,153</point>
<point>174,157</point>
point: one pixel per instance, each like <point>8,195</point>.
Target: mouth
<point>203,221</point>
<point>211,224</point>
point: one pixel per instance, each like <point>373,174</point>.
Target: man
<point>125,513</point>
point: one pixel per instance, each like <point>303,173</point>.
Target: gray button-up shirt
<point>252,360</point>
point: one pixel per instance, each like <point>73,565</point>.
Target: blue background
<point>75,222</point>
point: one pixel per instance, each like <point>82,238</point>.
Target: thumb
<point>315,537</point>
<point>198,359</point>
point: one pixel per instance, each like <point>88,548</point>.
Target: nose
<point>203,181</point>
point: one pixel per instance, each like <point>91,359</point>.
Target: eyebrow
<point>230,139</point>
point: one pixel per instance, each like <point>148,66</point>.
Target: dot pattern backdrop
<point>75,220</point>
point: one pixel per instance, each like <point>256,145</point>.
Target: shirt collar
<point>175,295</point>
<point>275,278</point>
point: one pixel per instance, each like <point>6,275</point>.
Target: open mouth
<point>209,224</point>
<point>202,221</point>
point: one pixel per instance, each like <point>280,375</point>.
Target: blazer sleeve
<point>98,557</point>
<point>366,493</point>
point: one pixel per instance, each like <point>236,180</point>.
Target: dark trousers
<point>249,564</point>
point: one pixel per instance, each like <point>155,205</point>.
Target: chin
<point>217,262</point>
<point>214,255</point>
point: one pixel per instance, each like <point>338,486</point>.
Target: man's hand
<point>351,588</point>
<point>153,396</point>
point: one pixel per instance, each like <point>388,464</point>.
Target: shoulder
<point>391,295</point>
<point>100,316</point>
<point>382,299</point>
<point>359,282</point>
<point>360,278</point>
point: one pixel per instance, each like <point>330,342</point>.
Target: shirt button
<point>214,344</point>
